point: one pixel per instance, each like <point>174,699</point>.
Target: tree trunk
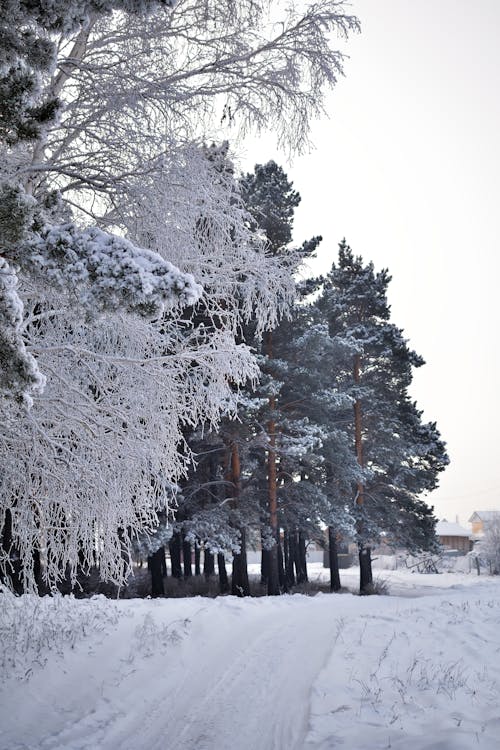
<point>294,549</point>
<point>281,567</point>
<point>37,572</point>
<point>13,571</point>
<point>365,561</point>
<point>197,556</point>
<point>301,558</point>
<point>273,585</point>
<point>186,557</point>
<point>239,580</point>
<point>264,566</point>
<point>288,544</point>
<point>208,563</point>
<point>333,559</point>
<point>365,570</point>
<point>175,545</point>
<point>156,563</point>
<point>240,585</point>
<point>223,579</point>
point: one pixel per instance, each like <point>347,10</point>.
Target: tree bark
<point>208,563</point>
<point>186,557</point>
<point>273,585</point>
<point>223,579</point>
<point>264,566</point>
<point>281,567</point>
<point>288,544</point>
<point>333,559</point>
<point>365,570</point>
<point>197,556</point>
<point>156,563</point>
<point>302,558</point>
<point>240,585</point>
<point>175,554</point>
<point>365,562</point>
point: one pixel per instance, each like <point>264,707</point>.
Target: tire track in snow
<point>248,686</point>
<point>261,691</point>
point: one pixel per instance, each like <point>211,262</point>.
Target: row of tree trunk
<point>291,564</point>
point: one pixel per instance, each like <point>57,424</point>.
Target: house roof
<point>446,528</point>
<point>484,515</point>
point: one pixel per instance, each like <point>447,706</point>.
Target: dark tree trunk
<point>156,563</point>
<point>365,561</point>
<point>186,557</point>
<point>301,558</point>
<point>273,582</point>
<point>163,564</point>
<point>175,545</point>
<point>197,556</point>
<point>13,570</point>
<point>37,571</point>
<point>273,578</point>
<point>208,563</point>
<point>223,579</point>
<point>288,543</point>
<point>294,549</point>
<point>239,579</point>
<point>281,567</point>
<point>333,559</point>
<point>264,566</point>
<point>365,570</point>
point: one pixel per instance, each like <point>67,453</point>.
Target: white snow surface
<point>418,669</point>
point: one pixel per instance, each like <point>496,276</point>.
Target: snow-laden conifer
<point>400,457</point>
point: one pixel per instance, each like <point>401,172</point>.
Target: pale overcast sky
<point>407,168</point>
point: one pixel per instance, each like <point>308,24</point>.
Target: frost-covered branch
<point>108,272</point>
<point>19,373</point>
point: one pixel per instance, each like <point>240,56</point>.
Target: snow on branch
<point>109,272</point>
<point>190,210</point>
<point>19,373</point>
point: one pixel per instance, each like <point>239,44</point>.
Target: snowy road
<point>249,676</point>
<point>280,674</point>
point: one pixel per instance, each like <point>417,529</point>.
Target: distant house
<point>453,536</point>
<point>480,520</point>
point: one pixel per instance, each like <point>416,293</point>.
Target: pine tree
<point>398,456</point>
<point>317,465</point>
<point>271,200</point>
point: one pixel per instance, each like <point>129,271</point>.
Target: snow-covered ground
<point>419,669</point>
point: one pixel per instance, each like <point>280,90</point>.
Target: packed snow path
<point>291,673</point>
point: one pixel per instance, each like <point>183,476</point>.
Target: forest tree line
<point>164,377</point>
<point>328,445</point>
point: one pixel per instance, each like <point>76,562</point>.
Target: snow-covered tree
<point>271,200</point>
<point>125,387</point>
<point>400,457</point>
<point>130,263</point>
<point>31,81</point>
<point>160,70</point>
<point>324,471</point>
